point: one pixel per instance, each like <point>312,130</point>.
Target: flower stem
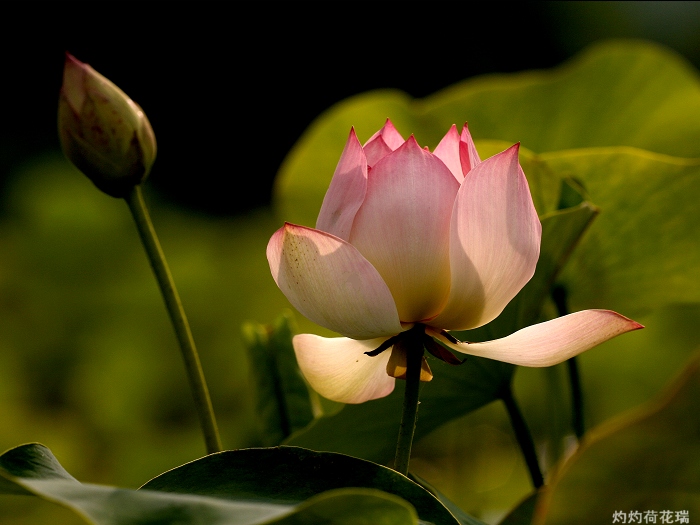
<point>409,414</point>
<point>522,434</point>
<point>178,318</point>
<point>577,421</point>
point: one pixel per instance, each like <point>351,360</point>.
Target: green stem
<point>522,434</point>
<point>577,421</point>
<point>178,318</point>
<point>414,358</point>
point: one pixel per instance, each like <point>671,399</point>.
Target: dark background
<point>230,86</point>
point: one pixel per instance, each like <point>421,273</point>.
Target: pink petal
<point>382,143</point>
<point>494,243</point>
<point>338,368</point>
<point>403,228</point>
<point>346,192</point>
<point>389,134</point>
<point>331,283</point>
<point>458,152</point>
<point>552,342</point>
<point>448,152</point>
<point>468,154</point>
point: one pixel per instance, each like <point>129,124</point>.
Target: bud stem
<point>177,315</point>
<point>414,359</point>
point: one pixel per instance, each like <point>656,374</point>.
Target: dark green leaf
<point>292,475</point>
<point>352,507</point>
<point>283,403</point>
<point>33,470</point>
<point>523,513</point>
<point>462,517</point>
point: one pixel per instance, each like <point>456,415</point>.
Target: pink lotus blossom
<point>407,237</point>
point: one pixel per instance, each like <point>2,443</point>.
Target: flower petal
<point>331,283</point>
<point>346,192</point>
<point>494,243</point>
<point>458,152</point>
<point>382,143</point>
<point>403,228</point>
<point>389,135</point>
<point>552,342</point>
<point>338,368</point>
<point>467,153</point>
<point>448,152</point>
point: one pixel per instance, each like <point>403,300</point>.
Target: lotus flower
<point>412,240</point>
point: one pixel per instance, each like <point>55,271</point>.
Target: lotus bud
<point>102,131</point>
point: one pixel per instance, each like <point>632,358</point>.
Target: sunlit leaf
<point>615,93</point>
<point>642,252</point>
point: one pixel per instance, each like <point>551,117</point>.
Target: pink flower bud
<point>102,131</point>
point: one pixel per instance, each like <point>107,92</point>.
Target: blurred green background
<point>88,363</point>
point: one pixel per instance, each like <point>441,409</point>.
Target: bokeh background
<point>88,363</point>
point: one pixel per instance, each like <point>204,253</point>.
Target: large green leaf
<point>33,470</point>
<point>292,475</point>
<point>643,250</point>
<point>616,93</point>
<point>645,460</point>
<point>369,430</point>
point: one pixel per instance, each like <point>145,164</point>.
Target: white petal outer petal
<point>346,192</point>
<point>494,242</point>
<point>552,342</point>
<point>331,283</point>
<point>339,369</point>
<point>403,228</point>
